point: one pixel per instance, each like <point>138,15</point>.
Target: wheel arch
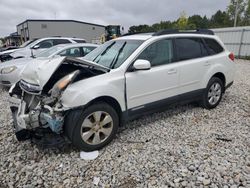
<point>222,77</point>
<point>112,102</point>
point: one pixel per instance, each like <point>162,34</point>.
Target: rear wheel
<point>92,128</point>
<point>213,93</point>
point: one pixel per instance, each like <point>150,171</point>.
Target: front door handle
<point>172,71</point>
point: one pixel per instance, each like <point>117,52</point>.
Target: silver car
<point>10,71</point>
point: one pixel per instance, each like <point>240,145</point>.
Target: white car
<point>10,71</point>
<point>40,45</point>
<point>85,101</point>
<point>5,54</point>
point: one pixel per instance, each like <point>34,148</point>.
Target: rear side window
<point>213,46</point>
<point>61,41</point>
<point>79,41</point>
<point>189,48</point>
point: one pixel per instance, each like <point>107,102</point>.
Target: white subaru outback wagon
<point>85,101</point>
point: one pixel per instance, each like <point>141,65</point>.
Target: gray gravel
<point>185,146</point>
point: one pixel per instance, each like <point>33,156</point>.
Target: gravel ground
<point>185,146</point>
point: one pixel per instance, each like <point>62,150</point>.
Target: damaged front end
<point>35,100</point>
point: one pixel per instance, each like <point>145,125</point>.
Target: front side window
<point>88,49</point>
<point>49,52</point>
<point>158,53</point>
<point>189,48</point>
<point>46,43</point>
<point>113,53</point>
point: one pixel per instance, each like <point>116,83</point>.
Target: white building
<point>32,29</point>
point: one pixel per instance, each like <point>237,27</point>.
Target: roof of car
<point>56,37</point>
<point>136,37</point>
<point>170,33</point>
<point>68,45</point>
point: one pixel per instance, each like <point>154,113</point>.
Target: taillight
<point>231,56</point>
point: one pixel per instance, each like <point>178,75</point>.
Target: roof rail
<point>135,33</point>
<point>176,31</point>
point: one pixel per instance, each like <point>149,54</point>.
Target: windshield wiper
<point>114,61</point>
<point>100,55</point>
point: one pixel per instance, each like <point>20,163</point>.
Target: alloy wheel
<point>96,127</point>
<point>214,93</point>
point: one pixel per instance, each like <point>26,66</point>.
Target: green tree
<point>182,22</point>
<point>246,19</point>
<point>241,10</point>
<point>196,22</point>
<point>220,19</point>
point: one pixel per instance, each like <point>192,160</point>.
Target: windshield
<point>113,53</point>
<point>27,43</point>
<point>50,51</point>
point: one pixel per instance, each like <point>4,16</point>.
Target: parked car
<point>87,100</point>
<point>10,72</point>
<point>38,46</point>
<point>5,52</point>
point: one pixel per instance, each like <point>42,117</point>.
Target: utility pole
<point>236,13</point>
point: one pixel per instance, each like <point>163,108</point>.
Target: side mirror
<point>141,64</point>
<point>35,47</point>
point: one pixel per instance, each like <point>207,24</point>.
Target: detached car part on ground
<point>85,101</point>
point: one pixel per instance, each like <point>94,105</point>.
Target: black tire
<point>205,99</point>
<point>75,119</point>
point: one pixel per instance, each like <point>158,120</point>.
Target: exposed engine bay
<point>37,111</point>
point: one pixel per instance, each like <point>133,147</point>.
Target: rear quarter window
<point>213,46</point>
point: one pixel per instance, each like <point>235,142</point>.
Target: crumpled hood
<point>21,52</point>
<point>39,71</point>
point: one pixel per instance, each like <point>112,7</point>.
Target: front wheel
<point>213,93</point>
<point>92,128</point>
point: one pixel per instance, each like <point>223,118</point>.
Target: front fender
<point>83,92</point>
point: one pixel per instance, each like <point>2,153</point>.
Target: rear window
<point>189,48</point>
<point>213,46</point>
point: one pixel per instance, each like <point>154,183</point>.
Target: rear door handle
<point>172,71</point>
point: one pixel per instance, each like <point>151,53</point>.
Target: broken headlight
<point>8,70</point>
<point>63,83</point>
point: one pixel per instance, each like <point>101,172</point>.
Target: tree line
<point>217,20</point>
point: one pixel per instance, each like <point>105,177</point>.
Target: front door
<point>148,88</point>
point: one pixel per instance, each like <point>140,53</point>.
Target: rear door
<point>192,62</point>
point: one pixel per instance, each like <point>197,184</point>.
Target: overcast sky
<point>122,12</point>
